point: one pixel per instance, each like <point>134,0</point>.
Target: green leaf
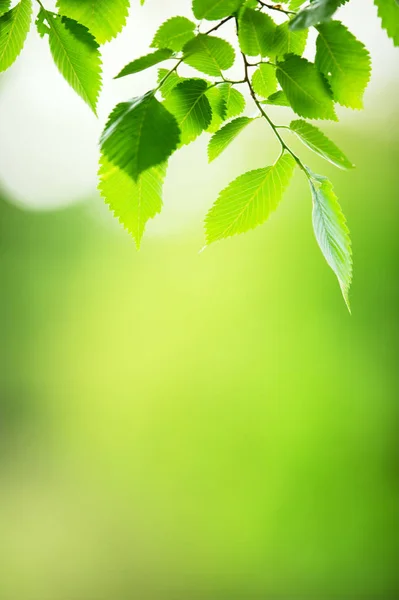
<point>388,11</point>
<point>295,4</point>
<point>218,107</point>
<point>174,33</point>
<point>133,203</point>
<point>345,63</point>
<point>317,141</point>
<point>104,18</point>
<point>248,200</point>
<point>187,101</point>
<point>144,62</point>
<point>256,33</point>
<point>331,231</point>
<point>169,82</point>
<point>305,88</point>
<point>14,27</point>
<point>75,53</point>
<point>235,101</point>
<point>140,134</point>
<point>225,136</point>
<point>264,81</point>
<point>213,10</point>
<point>277,99</point>
<point>287,41</point>
<point>318,11</point>
<point>4,6</point>
<point>209,54</point>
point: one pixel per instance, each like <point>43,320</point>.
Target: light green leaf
<point>277,99</point>
<point>295,4</point>
<point>103,18</point>
<point>4,6</point>
<point>256,33</point>
<point>225,136</point>
<point>235,101</point>
<point>388,11</point>
<point>218,107</point>
<point>248,200</point>
<point>174,33</point>
<point>187,101</point>
<point>213,10</point>
<point>140,134</point>
<point>317,141</point>
<point>209,54</point>
<point>14,27</point>
<point>144,62</point>
<point>133,203</point>
<point>345,63</point>
<point>264,81</point>
<point>287,41</point>
<point>169,82</point>
<point>75,53</point>
<point>305,88</point>
<point>331,231</point>
<point>318,11</point>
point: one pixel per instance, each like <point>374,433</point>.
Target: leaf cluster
<point>143,132</point>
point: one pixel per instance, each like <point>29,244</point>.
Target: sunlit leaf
<point>317,141</point>
<point>345,63</point>
<point>104,18</point>
<point>132,202</point>
<point>14,27</point>
<point>331,231</point>
<point>248,200</point>
<point>225,136</point>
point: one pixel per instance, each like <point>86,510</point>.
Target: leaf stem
<point>222,22</point>
<point>284,146</point>
<point>173,70</point>
<point>276,7</point>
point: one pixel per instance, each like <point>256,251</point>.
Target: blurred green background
<point>176,425</point>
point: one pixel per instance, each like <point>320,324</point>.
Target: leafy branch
<point>142,133</point>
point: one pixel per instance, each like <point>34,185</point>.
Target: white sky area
<point>49,137</point>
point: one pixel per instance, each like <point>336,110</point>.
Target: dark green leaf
<point>235,101</point>
<point>187,101</point>
<point>4,6</point>
<point>318,11</point>
<point>218,107</point>
<point>277,99</point>
<point>305,88</point>
<point>140,134</point>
